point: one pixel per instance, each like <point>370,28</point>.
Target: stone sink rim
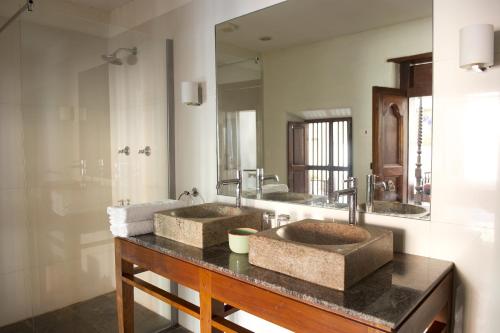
<point>243,210</point>
<point>343,249</point>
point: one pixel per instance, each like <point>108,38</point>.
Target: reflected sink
<point>205,225</point>
<point>396,208</point>
<point>330,254</point>
<point>283,196</point>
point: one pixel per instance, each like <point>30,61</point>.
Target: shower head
<point>113,59</point>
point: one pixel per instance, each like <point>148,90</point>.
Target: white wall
<point>466,214</point>
<point>331,74</point>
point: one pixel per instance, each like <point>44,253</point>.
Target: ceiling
<point>297,21</point>
<point>107,5</point>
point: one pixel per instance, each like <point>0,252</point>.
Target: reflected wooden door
<point>297,157</point>
<point>390,133</point>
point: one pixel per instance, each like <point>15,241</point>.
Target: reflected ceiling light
<point>476,47</point>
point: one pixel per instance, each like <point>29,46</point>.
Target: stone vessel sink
<point>396,208</point>
<point>283,196</point>
<point>330,254</point>
<point>205,225</point>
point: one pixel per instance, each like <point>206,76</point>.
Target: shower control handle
<point>146,151</point>
<point>125,150</point>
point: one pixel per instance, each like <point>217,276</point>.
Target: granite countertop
<point>385,297</point>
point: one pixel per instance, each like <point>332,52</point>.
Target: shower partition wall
<point>64,114</point>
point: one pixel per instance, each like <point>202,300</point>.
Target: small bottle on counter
<point>283,219</point>
<point>268,220</point>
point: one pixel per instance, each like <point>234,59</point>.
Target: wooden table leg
<point>124,292</point>
<point>208,306</point>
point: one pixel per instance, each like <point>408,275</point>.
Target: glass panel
<point>73,92</point>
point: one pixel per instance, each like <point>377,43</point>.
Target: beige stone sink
<point>330,254</point>
<point>205,225</point>
<point>282,196</point>
<point>396,208</point>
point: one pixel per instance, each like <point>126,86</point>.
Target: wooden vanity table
<point>410,294</point>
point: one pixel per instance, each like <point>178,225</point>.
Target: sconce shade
<point>190,93</point>
<point>476,47</point>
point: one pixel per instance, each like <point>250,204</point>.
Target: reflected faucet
<point>352,197</point>
<point>261,178</point>
<point>235,181</point>
<point>371,186</point>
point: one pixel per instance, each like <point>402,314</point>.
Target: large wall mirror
<point>315,92</point>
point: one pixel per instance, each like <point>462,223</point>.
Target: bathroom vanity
<point>409,294</point>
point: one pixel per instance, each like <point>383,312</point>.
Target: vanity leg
<point>124,292</point>
<point>208,306</point>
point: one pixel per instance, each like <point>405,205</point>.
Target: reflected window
<point>327,148</point>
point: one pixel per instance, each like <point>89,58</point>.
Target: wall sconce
<point>476,47</point>
<point>190,93</point>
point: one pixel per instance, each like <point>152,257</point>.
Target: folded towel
<point>132,229</point>
<point>140,212</point>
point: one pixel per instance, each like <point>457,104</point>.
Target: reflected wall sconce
<point>477,47</point>
<point>190,93</point>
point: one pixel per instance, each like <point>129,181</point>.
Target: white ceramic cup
<point>238,239</point>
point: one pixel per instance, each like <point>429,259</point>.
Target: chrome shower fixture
<point>113,59</point>
<point>28,6</point>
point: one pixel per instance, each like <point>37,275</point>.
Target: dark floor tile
<point>177,329</point>
<point>62,321</point>
<point>25,326</point>
<point>100,312</point>
<point>97,315</point>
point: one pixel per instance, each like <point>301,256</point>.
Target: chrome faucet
<point>261,178</point>
<point>235,181</point>
<point>371,186</point>
<point>352,197</point>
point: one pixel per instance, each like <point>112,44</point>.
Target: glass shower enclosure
<point>75,90</point>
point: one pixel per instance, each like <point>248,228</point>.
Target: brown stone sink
<point>396,208</point>
<point>330,254</point>
<point>282,196</point>
<point>205,225</point>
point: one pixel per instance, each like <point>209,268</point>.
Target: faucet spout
<point>235,181</point>
<point>371,186</point>
<point>352,198</point>
<point>261,179</point>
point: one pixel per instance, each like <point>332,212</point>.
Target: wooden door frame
<point>376,143</point>
<point>289,168</point>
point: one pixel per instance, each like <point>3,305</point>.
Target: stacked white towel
<point>132,229</point>
<point>137,219</point>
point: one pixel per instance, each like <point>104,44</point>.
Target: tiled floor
<point>97,315</point>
